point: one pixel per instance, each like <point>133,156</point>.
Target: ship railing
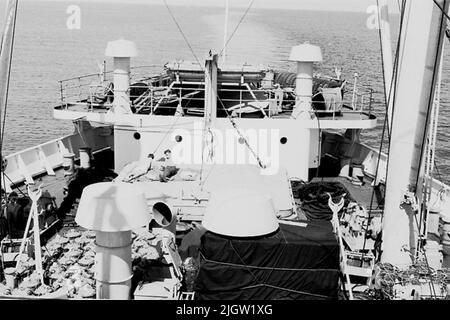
<point>236,99</point>
<point>150,93</point>
<point>170,97</point>
<point>358,102</point>
<point>79,90</point>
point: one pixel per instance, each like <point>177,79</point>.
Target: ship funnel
<point>113,210</point>
<point>305,55</point>
<point>121,50</point>
<point>240,212</point>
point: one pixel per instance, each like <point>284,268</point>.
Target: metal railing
<point>87,88</point>
<point>159,93</point>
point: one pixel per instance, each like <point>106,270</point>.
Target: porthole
<point>283,140</point>
<point>241,140</point>
<point>178,138</point>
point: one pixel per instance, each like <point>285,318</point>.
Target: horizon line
<point>211,4</point>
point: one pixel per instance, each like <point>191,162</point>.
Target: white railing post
<point>354,90</point>
<point>79,88</point>
<point>151,100</point>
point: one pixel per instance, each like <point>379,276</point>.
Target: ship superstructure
<point>264,162</point>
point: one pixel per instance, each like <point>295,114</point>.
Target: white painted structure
<point>420,54</point>
<point>233,212</point>
<point>44,159</point>
<point>113,210</point>
<point>121,50</point>
<point>286,142</point>
<point>304,55</point>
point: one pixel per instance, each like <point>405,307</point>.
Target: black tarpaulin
<point>314,198</point>
<point>296,262</point>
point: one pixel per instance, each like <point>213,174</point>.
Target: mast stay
<point>6,51</point>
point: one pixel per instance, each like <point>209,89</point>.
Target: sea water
<point>47,49</point>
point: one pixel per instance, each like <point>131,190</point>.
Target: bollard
<point>69,164</point>
<point>85,157</point>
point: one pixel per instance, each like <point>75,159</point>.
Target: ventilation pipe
<point>305,55</point>
<point>112,210</point>
<point>121,50</point>
<point>164,217</point>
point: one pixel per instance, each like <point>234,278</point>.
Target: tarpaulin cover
<point>314,198</point>
<point>296,262</point>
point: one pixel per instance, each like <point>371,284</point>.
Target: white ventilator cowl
<point>121,49</point>
<point>112,207</point>
<point>240,212</point>
<point>306,53</point>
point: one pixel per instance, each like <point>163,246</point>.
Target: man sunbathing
<point>168,168</point>
<point>136,169</point>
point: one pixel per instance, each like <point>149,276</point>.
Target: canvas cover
<point>296,262</point>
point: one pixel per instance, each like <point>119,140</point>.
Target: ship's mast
<point>211,88</point>
<point>225,32</point>
<point>420,50</point>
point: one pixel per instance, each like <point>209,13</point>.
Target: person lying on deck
<point>136,169</point>
<point>168,168</point>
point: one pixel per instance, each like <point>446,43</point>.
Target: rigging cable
<point>433,84</point>
<point>2,128</point>
<point>393,83</point>
<point>421,248</point>
<point>437,169</point>
<point>442,9</point>
<point>201,66</point>
<point>437,60</point>
<point>182,33</point>
<point>386,94</point>
<point>431,147</point>
<point>18,189</point>
<point>237,26</point>
<point>9,73</point>
<point>432,289</point>
<point>430,158</point>
<point>171,127</point>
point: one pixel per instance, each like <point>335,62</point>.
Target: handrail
<point>109,72</point>
<point>89,91</point>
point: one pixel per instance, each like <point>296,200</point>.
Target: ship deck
<point>348,118</point>
<point>366,194</point>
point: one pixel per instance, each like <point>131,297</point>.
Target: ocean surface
<point>46,51</point>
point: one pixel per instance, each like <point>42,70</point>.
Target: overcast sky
<point>329,5</point>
